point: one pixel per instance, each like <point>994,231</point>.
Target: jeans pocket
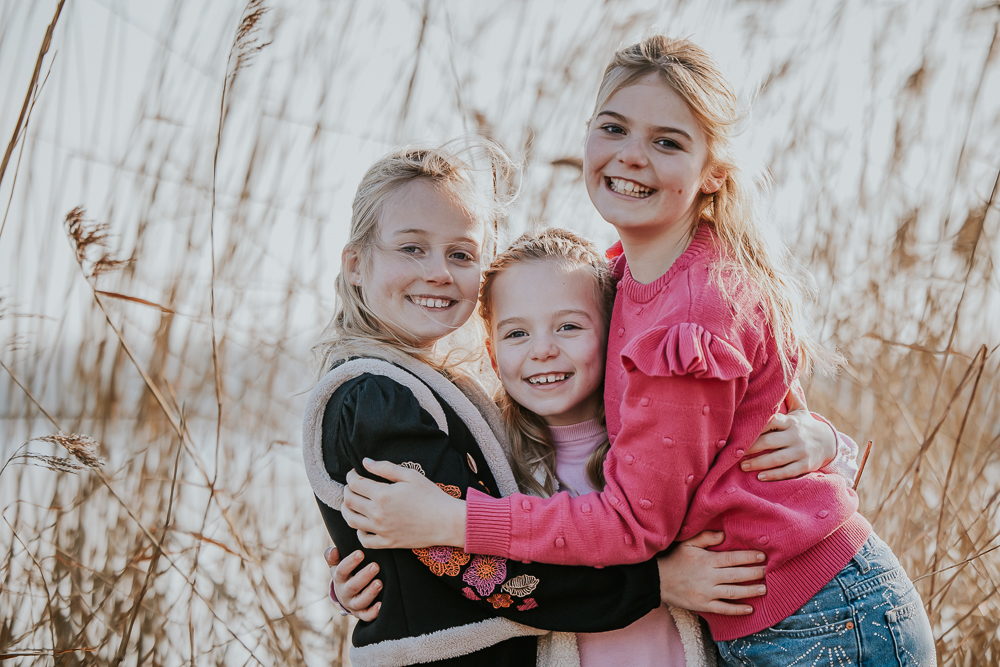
<point>827,637</point>
<point>911,635</point>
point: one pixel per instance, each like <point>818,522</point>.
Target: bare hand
<point>355,593</point>
<point>411,513</point>
<point>692,577</point>
<point>795,443</point>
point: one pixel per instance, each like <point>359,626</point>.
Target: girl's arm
<point>651,477</point>
<point>374,416</point>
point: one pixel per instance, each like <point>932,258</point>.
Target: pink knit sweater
<point>689,387</point>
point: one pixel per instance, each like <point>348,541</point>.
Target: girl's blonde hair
<point>452,170</point>
<point>531,447</point>
<point>753,252</point>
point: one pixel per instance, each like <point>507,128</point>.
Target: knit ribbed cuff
<point>487,524</point>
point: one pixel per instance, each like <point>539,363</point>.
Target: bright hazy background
<point>879,122</point>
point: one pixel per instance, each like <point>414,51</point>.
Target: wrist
<point>836,439</point>
<point>336,602</point>
<point>455,536</point>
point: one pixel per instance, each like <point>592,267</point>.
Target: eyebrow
<point>659,129</point>
<point>561,313</point>
<point>423,232</point>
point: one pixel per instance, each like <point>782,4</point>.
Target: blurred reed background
<point>198,541</point>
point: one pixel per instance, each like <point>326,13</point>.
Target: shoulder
<point>721,297</point>
<point>371,393</point>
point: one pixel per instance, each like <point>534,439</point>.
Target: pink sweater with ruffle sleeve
<point>692,378</point>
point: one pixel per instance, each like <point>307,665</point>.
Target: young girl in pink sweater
<point>706,340</point>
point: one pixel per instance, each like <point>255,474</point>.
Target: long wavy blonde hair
<point>754,253</point>
<point>532,453</point>
<point>451,169</point>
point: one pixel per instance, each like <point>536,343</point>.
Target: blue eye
<point>668,143</point>
<point>463,256</point>
<point>569,327</point>
<point>516,333</point>
<point>612,128</point>
<point>411,249</point>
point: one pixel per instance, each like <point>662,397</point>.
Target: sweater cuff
<point>845,462</point>
<point>487,524</point>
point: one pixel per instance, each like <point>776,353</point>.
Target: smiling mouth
<point>430,302</point>
<point>627,188</point>
<point>548,378</point>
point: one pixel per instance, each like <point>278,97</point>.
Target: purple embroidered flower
<point>485,572</point>
<point>440,554</point>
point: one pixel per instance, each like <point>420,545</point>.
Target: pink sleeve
<point>682,391</point>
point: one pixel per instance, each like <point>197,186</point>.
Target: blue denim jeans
<point>869,614</point>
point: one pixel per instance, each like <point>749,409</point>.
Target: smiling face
<point>646,161</point>
<point>422,278</point>
<point>548,339</point>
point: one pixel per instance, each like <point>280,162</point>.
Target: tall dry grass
<point>171,228</point>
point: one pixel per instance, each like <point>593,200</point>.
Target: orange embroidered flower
<point>500,600</point>
<point>443,560</point>
<point>452,491</point>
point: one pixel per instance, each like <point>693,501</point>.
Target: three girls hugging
<point>647,487</point>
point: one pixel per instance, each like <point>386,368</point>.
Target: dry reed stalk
<point>46,42</point>
<point>241,553</point>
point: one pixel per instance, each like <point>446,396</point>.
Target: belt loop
<point>862,562</point>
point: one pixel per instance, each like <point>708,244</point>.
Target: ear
<point>350,263</point>
<point>493,358</point>
<point>713,181</point>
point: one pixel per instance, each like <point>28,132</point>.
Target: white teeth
<point>430,303</point>
<point>621,186</point>
<point>546,379</point>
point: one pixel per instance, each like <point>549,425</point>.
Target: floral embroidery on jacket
<point>529,603</point>
<point>521,586</point>
<point>452,491</point>
<point>485,573</point>
<point>500,600</point>
<point>443,560</point>
<point>467,592</point>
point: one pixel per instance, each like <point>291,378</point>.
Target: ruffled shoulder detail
<point>684,349</point>
<point>616,260</point>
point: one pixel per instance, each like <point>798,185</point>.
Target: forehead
<point>544,286</point>
<point>651,101</point>
<point>418,208</point>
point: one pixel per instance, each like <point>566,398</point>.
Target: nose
<point>633,153</point>
<point>437,269</point>
<point>543,348</point>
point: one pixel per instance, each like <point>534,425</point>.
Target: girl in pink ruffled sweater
<point>706,340</point>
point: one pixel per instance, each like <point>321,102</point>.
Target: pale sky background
<point>879,122</point>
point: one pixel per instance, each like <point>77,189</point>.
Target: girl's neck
<point>651,254</point>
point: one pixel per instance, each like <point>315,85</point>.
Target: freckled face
<point>645,159</point>
<point>548,340</point>
<point>423,279</point>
